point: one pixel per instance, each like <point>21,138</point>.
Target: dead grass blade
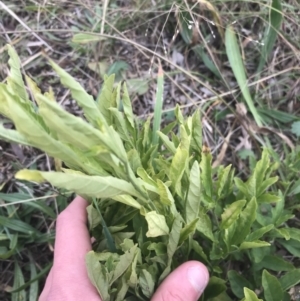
<point>6,8</point>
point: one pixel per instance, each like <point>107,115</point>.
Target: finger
<point>69,275</point>
<point>187,283</point>
<point>72,238</point>
<point>47,287</point>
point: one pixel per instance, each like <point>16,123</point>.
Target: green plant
<point>155,204</point>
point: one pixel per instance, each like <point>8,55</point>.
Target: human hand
<point>68,279</point>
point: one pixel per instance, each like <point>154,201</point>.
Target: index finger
<point>72,238</point>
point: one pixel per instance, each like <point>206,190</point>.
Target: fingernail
<point>197,278</point>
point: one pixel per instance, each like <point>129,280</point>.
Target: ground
<point>188,38</point>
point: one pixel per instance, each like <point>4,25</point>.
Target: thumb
<point>186,283</point>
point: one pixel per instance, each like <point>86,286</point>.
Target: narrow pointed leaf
<point>237,65</point>
<point>92,186</point>
<point>193,198</point>
<point>270,35</point>
<point>231,213</point>
<point>83,99</point>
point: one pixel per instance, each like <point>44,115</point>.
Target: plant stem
<point>110,241</point>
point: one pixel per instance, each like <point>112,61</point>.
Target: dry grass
<point>137,35</point>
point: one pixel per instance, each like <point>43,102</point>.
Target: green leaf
<point>165,196</point>
<point>277,115</point>
<point>275,263</point>
<point>83,99</point>
<point>193,199</point>
<point>157,225</point>
<point>167,142</point>
<point>253,244</point>
<point>231,214</point>
<point>294,233</point>
<point>145,176</point>
<point>188,230</point>
<point>145,133</point>
<point>266,184</point>
<point>28,201</point>
<point>268,198</point>
<point>223,179</point>
<point>15,80</point>
<point>244,222</point>
<point>146,283</point>
<point>105,98</point>
<point>122,287</point>
<point>12,136</point>
<point>258,254</point>
<point>196,142</point>
<point>18,282</point>
<point>236,63</point>
<point>184,19</point>
<point>172,245</point>
<point>127,106</point>
<point>214,288</point>
<point>206,174</point>
<point>272,287</point>
<point>257,234</point>
<point>177,168</point>
<point>238,283</point>
<point>98,275</point>
<point>278,211</point>
<point>274,23</point>
<point>127,200</point>
<point>260,170</point>
<point>204,226</point>
<point>12,246</point>
<point>250,295</point>
<point>17,225</point>
<point>134,159</point>
<point>92,186</point>
<point>199,250</point>
<point>69,128</point>
<point>125,261</point>
<point>85,38</point>
<point>34,287</point>
<point>242,187</point>
<point>199,50</point>
<point>292,246</point>
<point>30,127</point>
<point>120,125</point>
<point>290,279</point>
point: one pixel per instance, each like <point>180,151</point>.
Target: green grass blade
<point>110,241</point>
<point>158,105</point>
<point>34,287</point>
<point>39,276</point>
<point>236,62</point>
<point>18,281</point>
<point>270,35</point>
<point>12,136</point>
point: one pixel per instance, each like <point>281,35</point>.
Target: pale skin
<point>68,279</point>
